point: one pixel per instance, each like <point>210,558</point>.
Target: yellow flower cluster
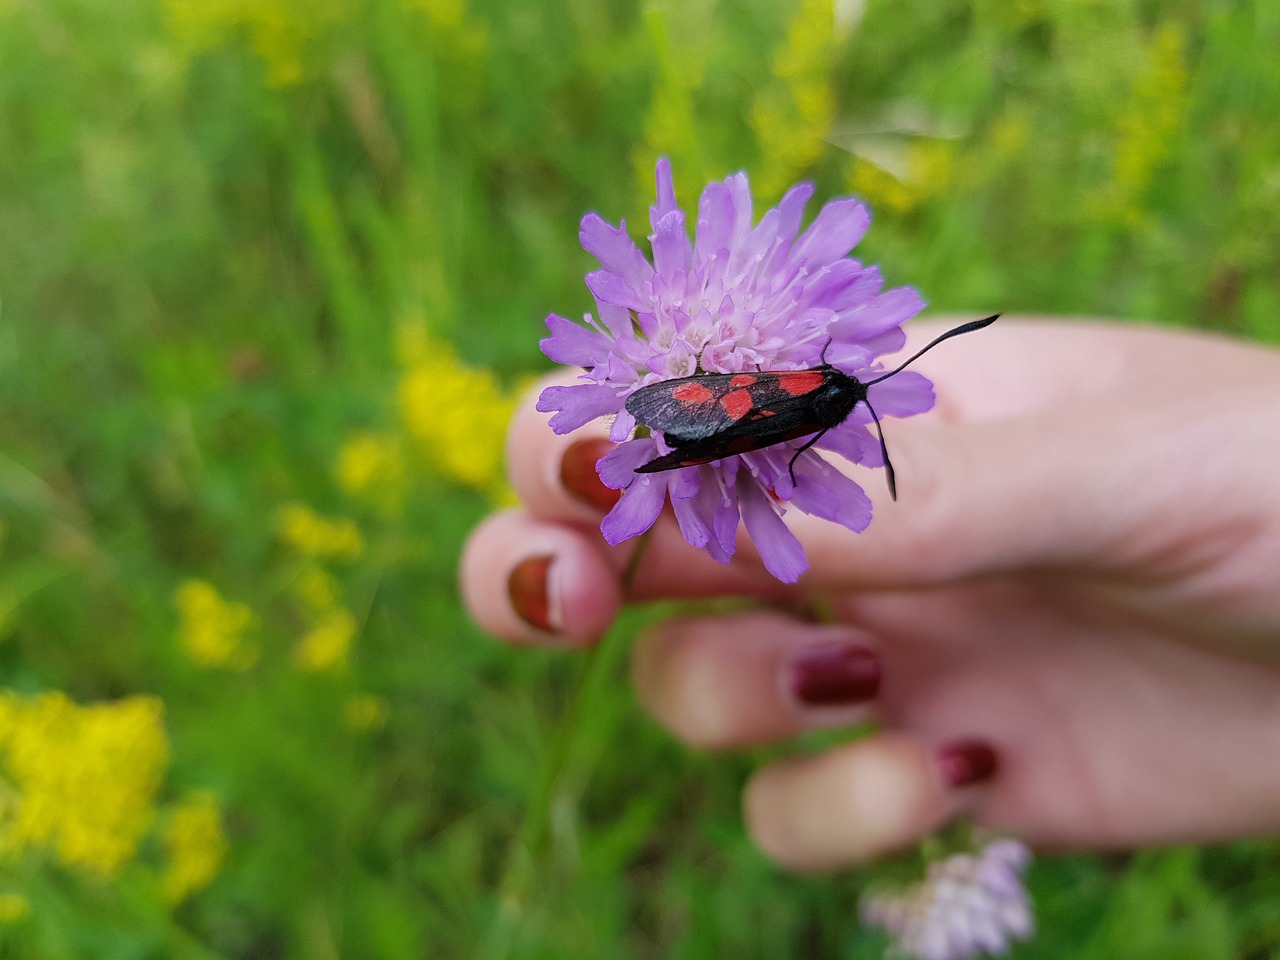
<point>331,627</point>
<point>80,781</point>
<point>680,60</point>
<point>13,907</point>
<point>195,846</point>
<point>792,118</point>
<point>463,39</point>
<point>281,32</point>
<point>312,535</point>
<point>370,467</point>
<point>326,645</point>
<point>287,36</point>
<point>212,630</point>
<point>1146,124</point>
<point>878,187</point>
<point>927,169</point>
<point>458,414</point>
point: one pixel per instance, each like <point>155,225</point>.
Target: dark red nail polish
<point>965,762</point>
<point>579,477</point>
<point>835,675</point>
<point>527,587</point>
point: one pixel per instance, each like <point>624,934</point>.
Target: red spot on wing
<point>799,382</point>
<point>743,380</point>
<point>737,403</point>
<point>692,392</point>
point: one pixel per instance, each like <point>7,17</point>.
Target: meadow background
<point>272,275</point>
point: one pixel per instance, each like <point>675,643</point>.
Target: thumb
<point>980,498</point>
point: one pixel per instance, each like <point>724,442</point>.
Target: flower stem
<point>526,852</point>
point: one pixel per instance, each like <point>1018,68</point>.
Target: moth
<point>711,416</point>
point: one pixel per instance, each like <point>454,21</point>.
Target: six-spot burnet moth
<point>710,416</point>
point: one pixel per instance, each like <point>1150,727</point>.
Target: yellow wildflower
<point>212,630</point>
<point>879,188</point>
<point>459,415</point>
<point>680,57</point>
<point>316,588</point>
<point>461,38</point>
<point>443,13</point>
<point>792,118</point>
<point>83,778</point>
<point>365,712</point>
<point>195,845</point>
<point>1010,134</point>
<point>1146,124</point>
<point>931,167</point>
<point>326,645</point>
<point>280,32</point>
<point>371,467</point>
<point>14,907</point>
<point>315,536</point>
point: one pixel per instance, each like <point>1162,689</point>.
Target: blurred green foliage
<point>235,240</point>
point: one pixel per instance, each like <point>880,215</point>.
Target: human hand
<point>1080,578</point>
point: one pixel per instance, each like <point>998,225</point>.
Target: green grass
<point>211,226</point>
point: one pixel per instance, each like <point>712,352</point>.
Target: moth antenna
<point>884,450</point>
<point>969,327</point>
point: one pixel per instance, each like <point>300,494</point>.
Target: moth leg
<point>791,466</point>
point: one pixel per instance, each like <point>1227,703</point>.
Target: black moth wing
<point>659,407</point>
<point>722,405</point>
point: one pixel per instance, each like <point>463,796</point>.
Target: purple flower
<point>970,905</point>
<point>737,298</point>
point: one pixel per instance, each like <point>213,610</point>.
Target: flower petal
<point>823,491</point>
<point>623,426</point>
<point>884,312</point>
<point>636,511</point>
<point>791,209</point>
<point>695,523</point>
<point>672,252</point>
<point>615,250</point>
<point>617,468</point>
<point>573,344</point>
<point>578,404</point>
<point>854,442</point>
<point>666,193</point>
<point>715,221</point>
<point>903,395</point>
<point>781,552</point>
<point>615,318</point>
<point>610,288</point>
<point>840,286</point>
<point>834,232</point>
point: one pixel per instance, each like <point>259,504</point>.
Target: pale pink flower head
<point>969,905</point>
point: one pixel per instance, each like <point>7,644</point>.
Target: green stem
<point>526,851</point>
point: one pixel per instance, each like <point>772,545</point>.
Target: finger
<point>554,474</point>
<point>1097,485</point>
<point>860,800</point>
<point>754,677</point>
<point>1023,366</point>
<point>529,581</point>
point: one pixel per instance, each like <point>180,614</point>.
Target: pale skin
<point>1082,571</point>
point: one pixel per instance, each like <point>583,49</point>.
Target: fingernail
<point>835,675</point>
<point>530,598</point>
<point>579,477</point>
<point>965,762</point>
